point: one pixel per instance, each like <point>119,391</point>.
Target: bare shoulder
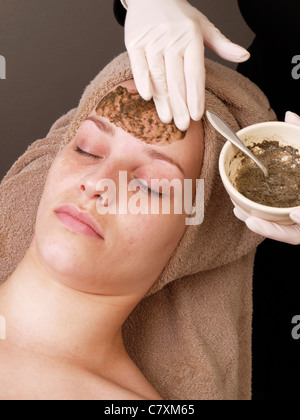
<point>135,383</point>
<point>122,394</point>
<point>131,384</point>
<point>25,376</point>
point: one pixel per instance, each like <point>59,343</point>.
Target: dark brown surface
<point>53,48</point>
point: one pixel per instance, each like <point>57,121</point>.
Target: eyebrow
<point>151,152</point>
<point>103,126</point>
<point>155,154</point>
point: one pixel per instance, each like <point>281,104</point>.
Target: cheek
<point>149,238</point>
<point>55,191</point>
<point>64,167</point>
<point>62,173</point>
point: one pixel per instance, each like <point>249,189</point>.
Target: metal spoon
<point>220,125</point>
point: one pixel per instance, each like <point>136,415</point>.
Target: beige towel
<point>191,335</point>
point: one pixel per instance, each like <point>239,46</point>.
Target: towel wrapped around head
<point>191,335</point>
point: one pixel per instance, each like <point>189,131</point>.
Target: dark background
<point>54,48</point>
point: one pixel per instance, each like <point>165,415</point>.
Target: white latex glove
<point>165,40</point>
<point>287,234</point>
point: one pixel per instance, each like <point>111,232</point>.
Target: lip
<point>78,221</point>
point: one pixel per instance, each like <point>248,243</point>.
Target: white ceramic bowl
<point>286,134</point>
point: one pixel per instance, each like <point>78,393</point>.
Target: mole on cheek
<point>129,111</point>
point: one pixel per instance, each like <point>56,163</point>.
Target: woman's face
<point>134,248</point>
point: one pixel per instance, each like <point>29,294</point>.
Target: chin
<point>64,255</point>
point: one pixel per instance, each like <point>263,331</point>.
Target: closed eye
<point>82,152</point>
<point>146,189</point>
<point>142,186</point>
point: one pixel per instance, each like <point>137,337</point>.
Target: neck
<point>44,316</point>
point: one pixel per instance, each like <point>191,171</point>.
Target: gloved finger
<point>141,74</point>
<point>177,90</point>
<point>287,234</point>
<point>217,42</point>
<point>292,118</point>
<point>157,69</point>
<point>295,216</point>
<point>194,69</point>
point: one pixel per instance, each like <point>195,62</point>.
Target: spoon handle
<point>222,127</point>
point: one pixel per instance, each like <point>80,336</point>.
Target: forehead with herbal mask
<point>129,111</point>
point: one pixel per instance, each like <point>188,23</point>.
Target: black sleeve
<point>120,12</point>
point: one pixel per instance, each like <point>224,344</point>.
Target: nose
<point>88,188</point>
<point>93,187</point>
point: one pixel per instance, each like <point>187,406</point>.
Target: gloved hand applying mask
<point>287,234</point>
<point>165,40</point>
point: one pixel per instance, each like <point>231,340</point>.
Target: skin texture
<point>67,301</point>
<point>129,111</point>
